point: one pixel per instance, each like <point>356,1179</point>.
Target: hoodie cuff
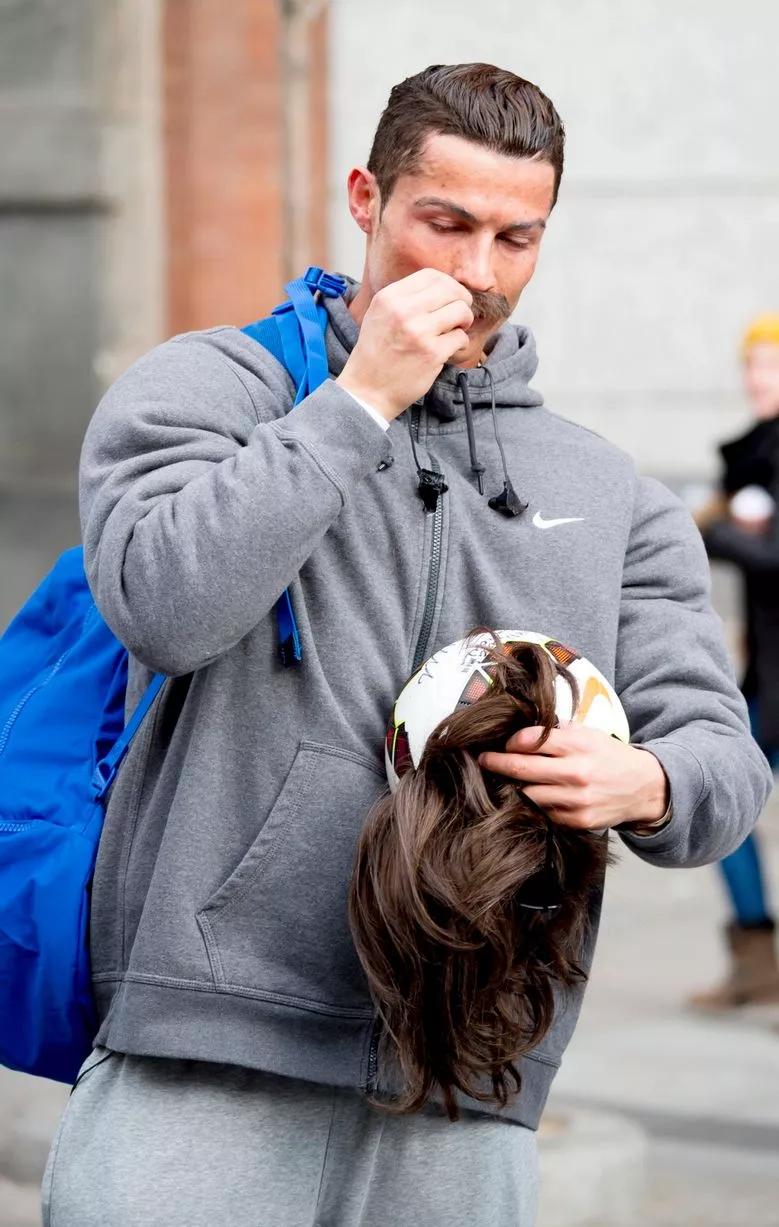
<point>686,788</point>
<point>378,419</point>
<point>645,830</point>
<point>686,784</point>
<point>341,438</point>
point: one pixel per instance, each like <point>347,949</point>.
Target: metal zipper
<point>55,668</point>
<point>13,828</point>
<point>14,716</point>
<point>435,558</point>
<point>371,1080</point>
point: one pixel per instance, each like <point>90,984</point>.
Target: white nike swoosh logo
<point>540,522</point>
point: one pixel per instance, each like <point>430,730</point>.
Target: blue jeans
<point>743,870</point>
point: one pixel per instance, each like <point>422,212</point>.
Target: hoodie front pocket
<point>279,925</point>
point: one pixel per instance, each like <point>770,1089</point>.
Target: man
<point>220,940</point>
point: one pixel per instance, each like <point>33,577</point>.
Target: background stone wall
<point>51,203</point>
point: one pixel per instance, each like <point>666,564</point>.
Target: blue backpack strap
<point>106,769</point>
<point>267,334</point>
<point>295,334</point>
<point>280,335</point>
<point>310,330</point>
<point>289,637</point>
<point>293,354</point>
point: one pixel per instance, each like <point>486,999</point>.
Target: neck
<point>360,303</point>
<point>473,362</point>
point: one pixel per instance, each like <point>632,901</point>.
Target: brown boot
<point>754,974</point>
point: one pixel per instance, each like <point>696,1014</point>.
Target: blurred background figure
<point>740,526</point>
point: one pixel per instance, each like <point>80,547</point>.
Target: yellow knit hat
<point>764,329</point>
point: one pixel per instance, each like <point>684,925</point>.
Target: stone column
<point>129,73</point>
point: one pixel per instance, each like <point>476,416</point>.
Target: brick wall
<point>225,158</point>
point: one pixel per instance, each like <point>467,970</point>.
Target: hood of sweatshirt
<point>511,361</point>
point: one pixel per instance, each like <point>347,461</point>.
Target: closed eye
<point>518,244</point>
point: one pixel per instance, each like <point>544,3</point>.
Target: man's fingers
<point>437,291</point>
<point>525,767</point>
<point>417,282</point>
<point>451,342</point>
<point>550,798</point>
<point>557,805</point>
<point>526,741</point>
<point>453,315</point>
<point>398,354</point>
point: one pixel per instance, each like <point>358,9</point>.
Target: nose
<point>474,263</point>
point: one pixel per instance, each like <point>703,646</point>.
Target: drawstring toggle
<point>508,502</point>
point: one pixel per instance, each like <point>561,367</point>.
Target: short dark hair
<point>478,102</point>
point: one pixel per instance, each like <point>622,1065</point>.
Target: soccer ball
<point>457,675</point>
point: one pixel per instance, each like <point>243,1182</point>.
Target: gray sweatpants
<point>159,1143</point>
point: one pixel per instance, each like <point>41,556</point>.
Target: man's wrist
<point>378,418</point>
<point>643,828</point>
<point>659,799</point>
<point>364,396</point>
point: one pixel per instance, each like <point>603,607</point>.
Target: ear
<point>364,201</point>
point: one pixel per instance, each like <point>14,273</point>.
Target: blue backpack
<point>63,678</point>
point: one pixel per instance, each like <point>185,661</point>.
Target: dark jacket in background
<point>751,460</point>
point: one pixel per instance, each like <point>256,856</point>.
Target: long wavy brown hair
<point>468,905</point>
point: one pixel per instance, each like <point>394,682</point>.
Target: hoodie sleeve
<point>679,691</point>
<point>201,497</point>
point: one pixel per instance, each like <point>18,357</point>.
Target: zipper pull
<point>431,484</point>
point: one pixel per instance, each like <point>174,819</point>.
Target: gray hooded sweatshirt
<point>219,909</point>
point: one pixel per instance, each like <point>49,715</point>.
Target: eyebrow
<point>438,202</point>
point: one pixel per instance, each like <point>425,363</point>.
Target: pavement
<point>703,1091</point>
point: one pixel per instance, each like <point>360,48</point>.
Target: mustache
<point>490,307</point>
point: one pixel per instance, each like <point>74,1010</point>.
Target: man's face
<point>761,376</point>
<point>467,211</point>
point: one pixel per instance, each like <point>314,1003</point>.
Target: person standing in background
<point>741,527</point>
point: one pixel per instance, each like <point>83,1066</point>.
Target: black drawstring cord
<point>431,483</point>
<point>508,502</point>
<point>413,441</point>
<point>476,466</point>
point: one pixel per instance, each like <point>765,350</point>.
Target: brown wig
<point>468,906</point>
